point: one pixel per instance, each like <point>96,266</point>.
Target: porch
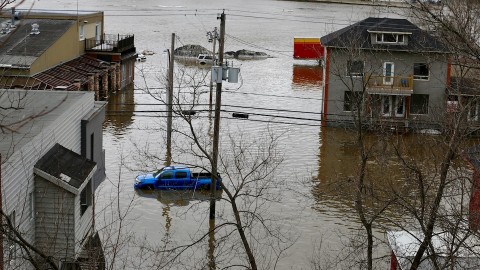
<point>392,85</point>
<point>110,43</point>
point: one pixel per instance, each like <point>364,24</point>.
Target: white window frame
<point>392,75</point>
<point>81,31</point>
<point>380,38</point>
<point>98,32</point>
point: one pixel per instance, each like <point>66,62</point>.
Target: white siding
<point>54,222</point>
<point>17,171</point>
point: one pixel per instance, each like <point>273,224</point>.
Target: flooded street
<point>280,94</point>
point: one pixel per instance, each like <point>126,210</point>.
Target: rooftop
<point>20,48</point>
<point>66,165</point>
<point>358,35</point>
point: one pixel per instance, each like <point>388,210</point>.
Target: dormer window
<point>389,37</point>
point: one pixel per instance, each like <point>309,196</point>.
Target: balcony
<point>394,85</point>
<point>110,43</point>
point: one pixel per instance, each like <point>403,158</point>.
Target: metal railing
<point>110,43</point>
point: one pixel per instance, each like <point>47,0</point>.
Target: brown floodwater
<point>313,202</point>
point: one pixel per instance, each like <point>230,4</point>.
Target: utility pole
<point>216,125</point>
<point>169,102</point>
<point>212,37</point>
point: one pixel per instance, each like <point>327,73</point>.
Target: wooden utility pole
<point>169,102</point>
<point>212,35</point>
<point>216,125</point>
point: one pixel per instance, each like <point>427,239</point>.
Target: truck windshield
<point>155,174</point>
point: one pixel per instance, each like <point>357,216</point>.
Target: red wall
<point>307,48</point>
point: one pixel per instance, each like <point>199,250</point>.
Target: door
<point>180,179</point>
<point>388,73</point>
<point>386,106</point>
<point>399,106</point>
<point>98,32</point>
<point>393,106</point>
<point>166,179</point>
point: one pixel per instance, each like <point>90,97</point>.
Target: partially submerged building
<point>64,51</point>
<point>390,70</point>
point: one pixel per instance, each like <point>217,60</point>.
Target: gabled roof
<point>19,48</point>
<point>66,165</point>
<point>358,35</point>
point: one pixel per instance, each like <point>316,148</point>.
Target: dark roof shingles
<point>60,160</point>
<point>357,35</point>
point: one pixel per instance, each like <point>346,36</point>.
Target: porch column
<point>119,76</point>
<point>77,84</point>
<point>105,84</point>
<point>96,86</point>
<point>91,82</point>
<point>113,77</point>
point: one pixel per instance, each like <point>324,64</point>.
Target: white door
<point>388,73</point>
<point>393,106</point>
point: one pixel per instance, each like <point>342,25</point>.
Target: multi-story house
<point>64,51</point>
<point>384,72</point>
<point>52,160</point>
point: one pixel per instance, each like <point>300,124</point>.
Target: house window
<point>388,73</point>
<point>86,198</point>
<point>352,100</point>
<point>82,32</point>
<point>355,68</point>
<point>420,71</point>
<point>98,32</point>
<point>390,38</point>
<point>419,104</point>
<point>473,110</point>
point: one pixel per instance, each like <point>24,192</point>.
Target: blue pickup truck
<point>175,177</point>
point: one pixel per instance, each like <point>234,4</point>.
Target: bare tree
<point>247,165</point>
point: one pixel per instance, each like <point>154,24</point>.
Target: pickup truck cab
<point>175,177</point>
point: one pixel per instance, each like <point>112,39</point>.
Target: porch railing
<point>389,84</point>
<point>110,43</point>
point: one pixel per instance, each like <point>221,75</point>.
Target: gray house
<point>387,71</point>
<point>52,159</point>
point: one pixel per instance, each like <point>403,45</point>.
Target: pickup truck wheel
<point>149,187</point>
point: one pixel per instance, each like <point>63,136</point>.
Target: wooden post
<point>170,101</point>
<point>216,125</point>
